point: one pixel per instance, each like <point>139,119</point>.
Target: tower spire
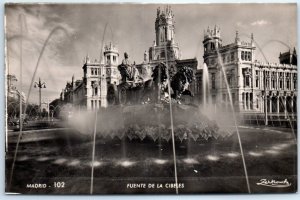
<point>87,58</point>
<point>237,38</point>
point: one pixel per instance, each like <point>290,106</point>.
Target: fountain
<point>205,87</point>
<point>22,21</point>
<point>162,122</point>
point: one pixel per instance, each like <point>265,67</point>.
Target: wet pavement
<point>58,161</point>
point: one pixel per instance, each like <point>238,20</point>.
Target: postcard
<point>131,98</point>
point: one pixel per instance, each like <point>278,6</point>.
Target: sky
<point>131,28</point>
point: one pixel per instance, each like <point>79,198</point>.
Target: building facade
<point>165,48</point>
<point>12,91</point>
<point>96,89</point>
<point>253,85</point>
<point>98,76</point>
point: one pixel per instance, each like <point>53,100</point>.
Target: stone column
<point>226,101</point>
<point>240,77</point>
<point>248,102</point>
<point>260,79</point>
<point>277,104</point>
<point>262,104</point>
<point>92,105</point>
<point>270,79</point>
<point>88,104</point>
<point>270,103</point>
<point>284,84</point>
<point>245,103</point>
<point>284,104</point>
<point>277,81</point>
<point>292,81</point>
<point>292,106</point>
<point>290,84</point>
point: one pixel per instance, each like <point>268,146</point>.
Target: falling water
<point>171,118</point>
<point>266,60</point>
<point>96,115</point>
<point>21,19</point>
<point>205,87</point>
<point>93,153</point>
<point>234,118</point>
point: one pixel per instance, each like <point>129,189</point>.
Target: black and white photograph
<point>143,98</point>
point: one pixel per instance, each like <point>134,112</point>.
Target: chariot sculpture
<point>152,88</point>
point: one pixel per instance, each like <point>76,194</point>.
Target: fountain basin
<point>147,121</point>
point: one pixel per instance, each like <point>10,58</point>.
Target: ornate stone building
<point>92,91</point>
<point>165,48</point>
<point>253,84</point>
<point>12,91</point>
<point>11,86</point>
<point>100,79</point>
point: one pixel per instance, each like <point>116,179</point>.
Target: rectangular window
<point>232,56</point>
<point>288,80</point>
<point>273,80</point>
<point>92,71</point>
<point>213,81</point>
<point>249,56</point>
<point>280,80</point>
<point>114,58</point>
<point>256,78</point>
<point>243,55</point>
<point>295,81</point>
<point>247,81</point>
<point>92,104</point>
<point>229,79</point>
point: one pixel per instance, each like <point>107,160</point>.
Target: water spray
<point>234,119</point>
<point>96,116</point>
<point>21,18</point>
<point>172,123</point>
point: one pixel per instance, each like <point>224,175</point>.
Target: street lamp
<point>40,85</point>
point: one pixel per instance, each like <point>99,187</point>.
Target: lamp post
<point>40,85</point>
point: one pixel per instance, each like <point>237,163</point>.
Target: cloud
<point>242,25</point>
<point>260,23</point>
<point>36,29</point>
<point>131,27</point>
